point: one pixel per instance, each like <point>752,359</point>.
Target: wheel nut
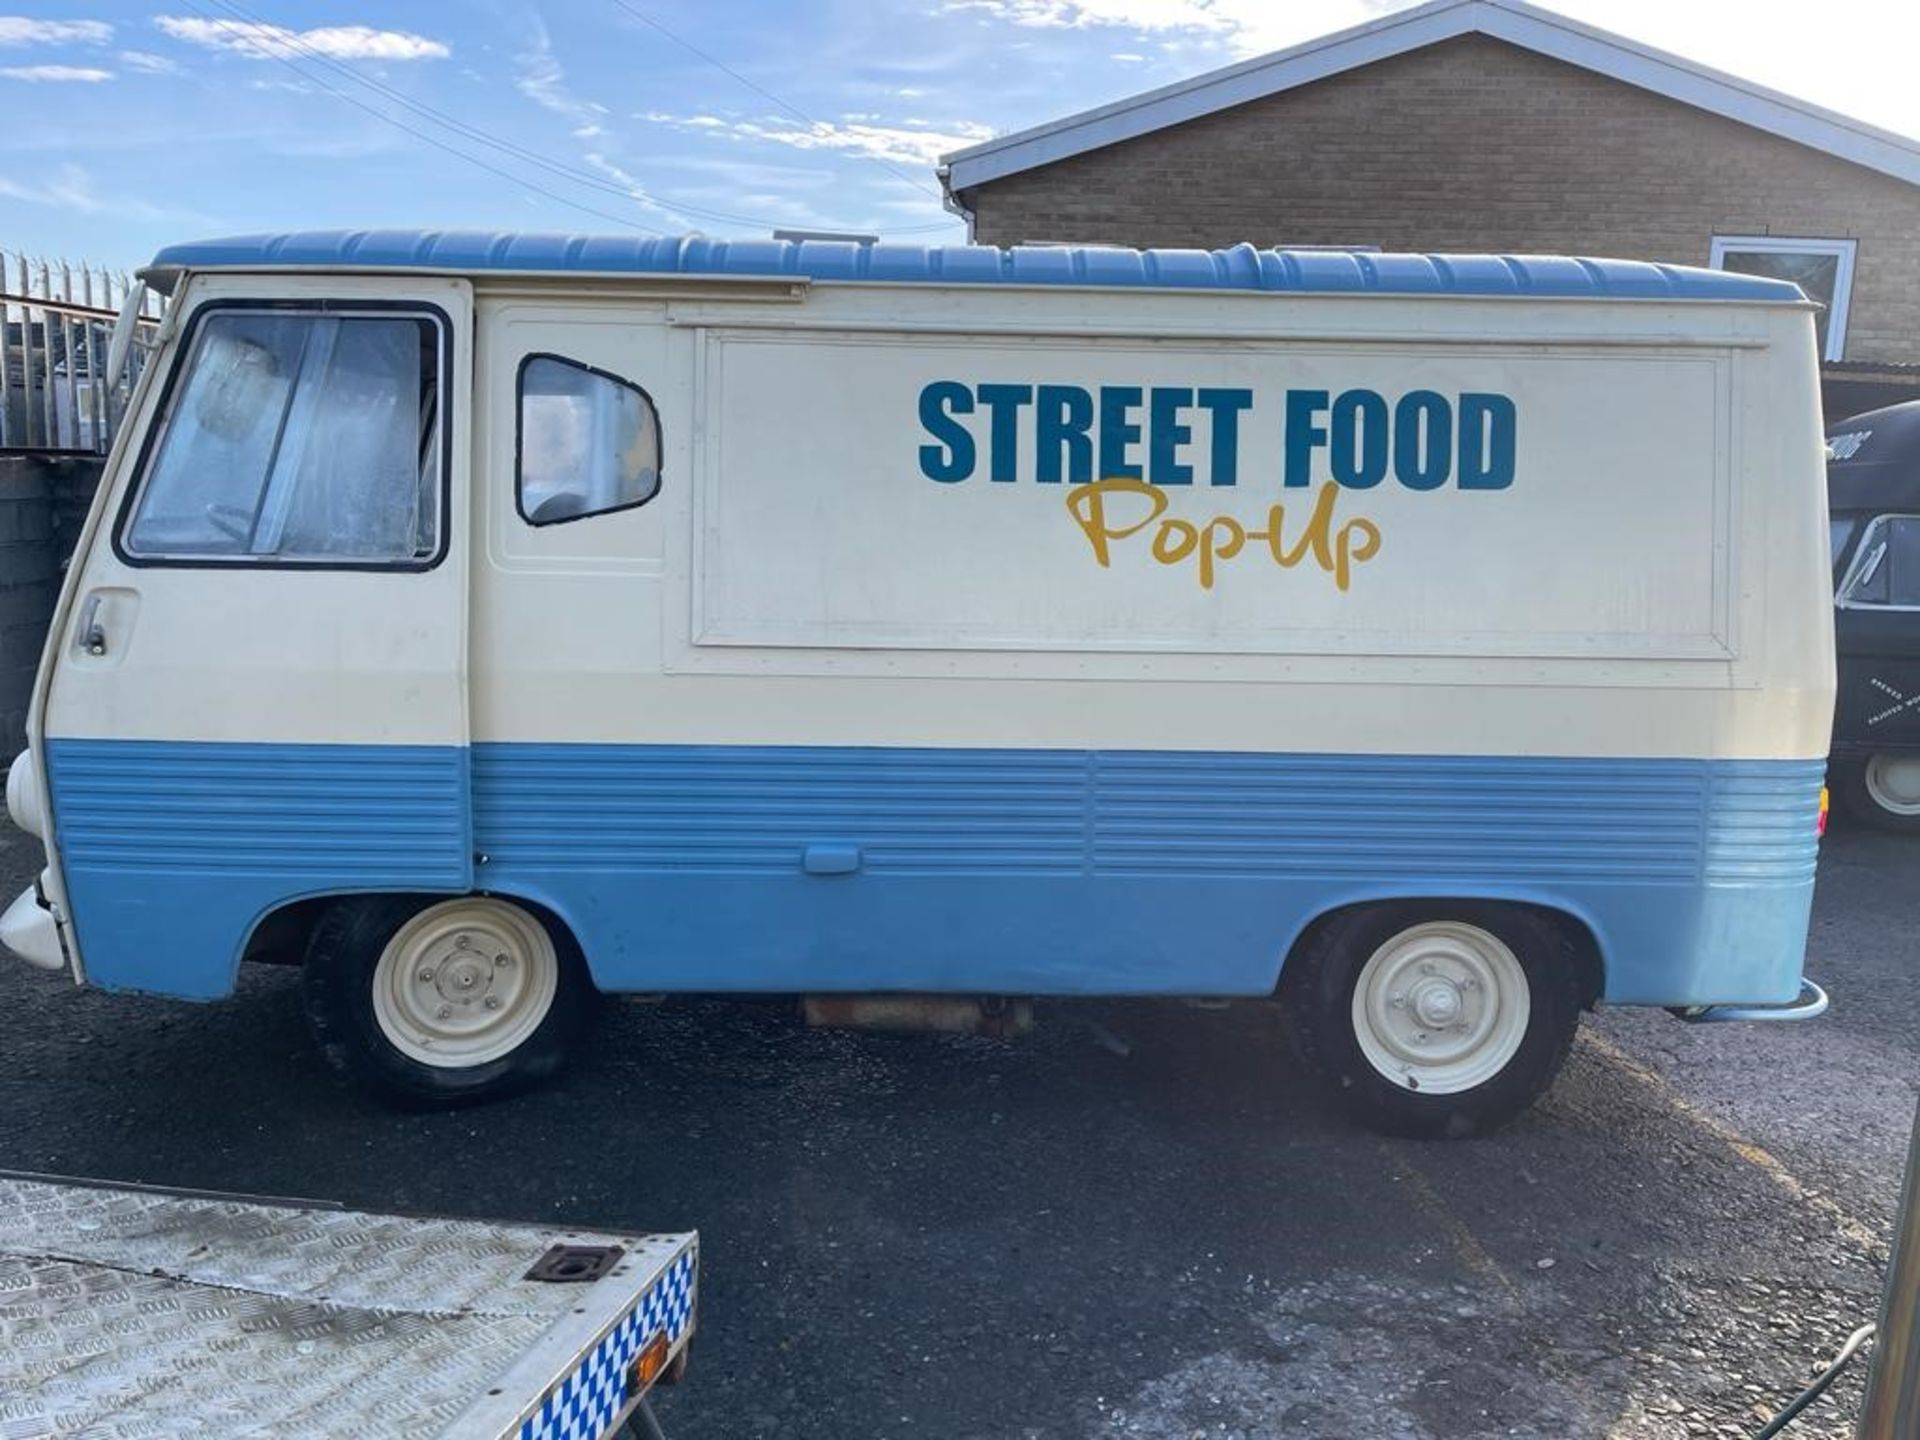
<point>1419,1037</point>
<point>445,1011</point>
<point>501,960</point>
<point>493,1002</point>
<point>426,976</point>
<point>462,942</point>
<point>1400,1002</point>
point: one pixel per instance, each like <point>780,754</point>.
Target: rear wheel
<point>1883,789</point>
<point>442,1002</point>
<point>1436,1020</point>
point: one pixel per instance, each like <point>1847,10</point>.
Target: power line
<point>761,90</point>
<point>495,142</point>
<point>476,135</point>
<point>422,135</point>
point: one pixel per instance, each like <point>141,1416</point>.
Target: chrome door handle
<point>93,635</point>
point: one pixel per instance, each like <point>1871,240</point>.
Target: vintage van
<point>1873,492</point>
<point>1442,644</point>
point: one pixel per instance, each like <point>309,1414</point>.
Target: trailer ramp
<point>143,1313</point>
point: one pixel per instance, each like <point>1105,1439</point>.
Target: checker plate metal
<point>128,1313</point>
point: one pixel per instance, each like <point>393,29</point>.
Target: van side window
<point>589,442</point>
<point>298,437</point>
<point>1886,565</point>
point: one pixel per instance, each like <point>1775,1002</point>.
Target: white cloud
<point>1201,17</point>
<point>751,195</point>
<point>543,81</point>
<point>1245,27</point>
<point>71,188</point>
<point>276,42</point>
<point>56,74</point>
<point>148,63</point>
<point>909,145</point>
<point>24,30</point>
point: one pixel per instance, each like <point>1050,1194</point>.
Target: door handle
<point>93,635</point>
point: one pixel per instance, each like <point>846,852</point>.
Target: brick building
<point>1491,125</point>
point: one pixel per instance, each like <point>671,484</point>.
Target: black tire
<point>1857,799</point>
<point>343,954</point>
<point>1325,969</point>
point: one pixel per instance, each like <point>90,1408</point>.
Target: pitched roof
<point>1513,21</point>
<point>830,261</point>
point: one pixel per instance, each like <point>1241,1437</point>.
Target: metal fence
<point>56,323</point>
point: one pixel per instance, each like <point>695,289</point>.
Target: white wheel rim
<point>465,982</point>
<point>1441,1007</point>
<point>1894,783</point>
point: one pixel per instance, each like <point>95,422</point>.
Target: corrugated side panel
<point>1760,829</point>
<point>1435,818</point>
<point>750,809</point>
<point>172,852</point>
<point>352,813</point>
<point>1063,812</point>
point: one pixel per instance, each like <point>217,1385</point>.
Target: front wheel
<point>1435,1020</point>
<point>1883,789</point>
<point>430,1003</point>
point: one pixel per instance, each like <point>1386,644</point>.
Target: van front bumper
<point>29,930</point>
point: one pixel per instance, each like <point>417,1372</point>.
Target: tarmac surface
<point>1142,1220</point>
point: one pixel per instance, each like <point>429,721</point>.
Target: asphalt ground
<point>1142,1220</point>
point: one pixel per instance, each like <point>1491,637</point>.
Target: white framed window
<point>1822,268</point>
<point>297,434</point>
<point>589,442</point>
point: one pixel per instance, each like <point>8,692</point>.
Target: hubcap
<point>465,982</point>
<point>1894,783</point>
<point>1441,1007</point>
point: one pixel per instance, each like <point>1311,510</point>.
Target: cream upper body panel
<point>1650,580</point>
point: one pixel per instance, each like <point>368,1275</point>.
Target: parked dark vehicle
<point>1873,491</point>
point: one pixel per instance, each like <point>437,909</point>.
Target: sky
<point>125,125</point>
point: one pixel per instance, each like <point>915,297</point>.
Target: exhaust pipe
<point>991,1015</point>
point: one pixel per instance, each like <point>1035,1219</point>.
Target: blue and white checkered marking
<point>585,1405</point>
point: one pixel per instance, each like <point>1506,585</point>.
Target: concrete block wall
<point>1474,144</point>
<point>43,502</point>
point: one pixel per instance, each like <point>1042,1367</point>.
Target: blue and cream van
<point>1440,644</point>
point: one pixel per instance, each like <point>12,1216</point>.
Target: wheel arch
<point>279,934</point>
<point>1579,934</point>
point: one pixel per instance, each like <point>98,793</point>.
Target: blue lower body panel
<point>1022,871</point>
<point>173,852</point>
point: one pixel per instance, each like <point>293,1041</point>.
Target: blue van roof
<point>1242,267</point>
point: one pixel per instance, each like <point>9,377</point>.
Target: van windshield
<point>298,436</point>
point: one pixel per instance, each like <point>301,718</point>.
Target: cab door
<point>257,692</point>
